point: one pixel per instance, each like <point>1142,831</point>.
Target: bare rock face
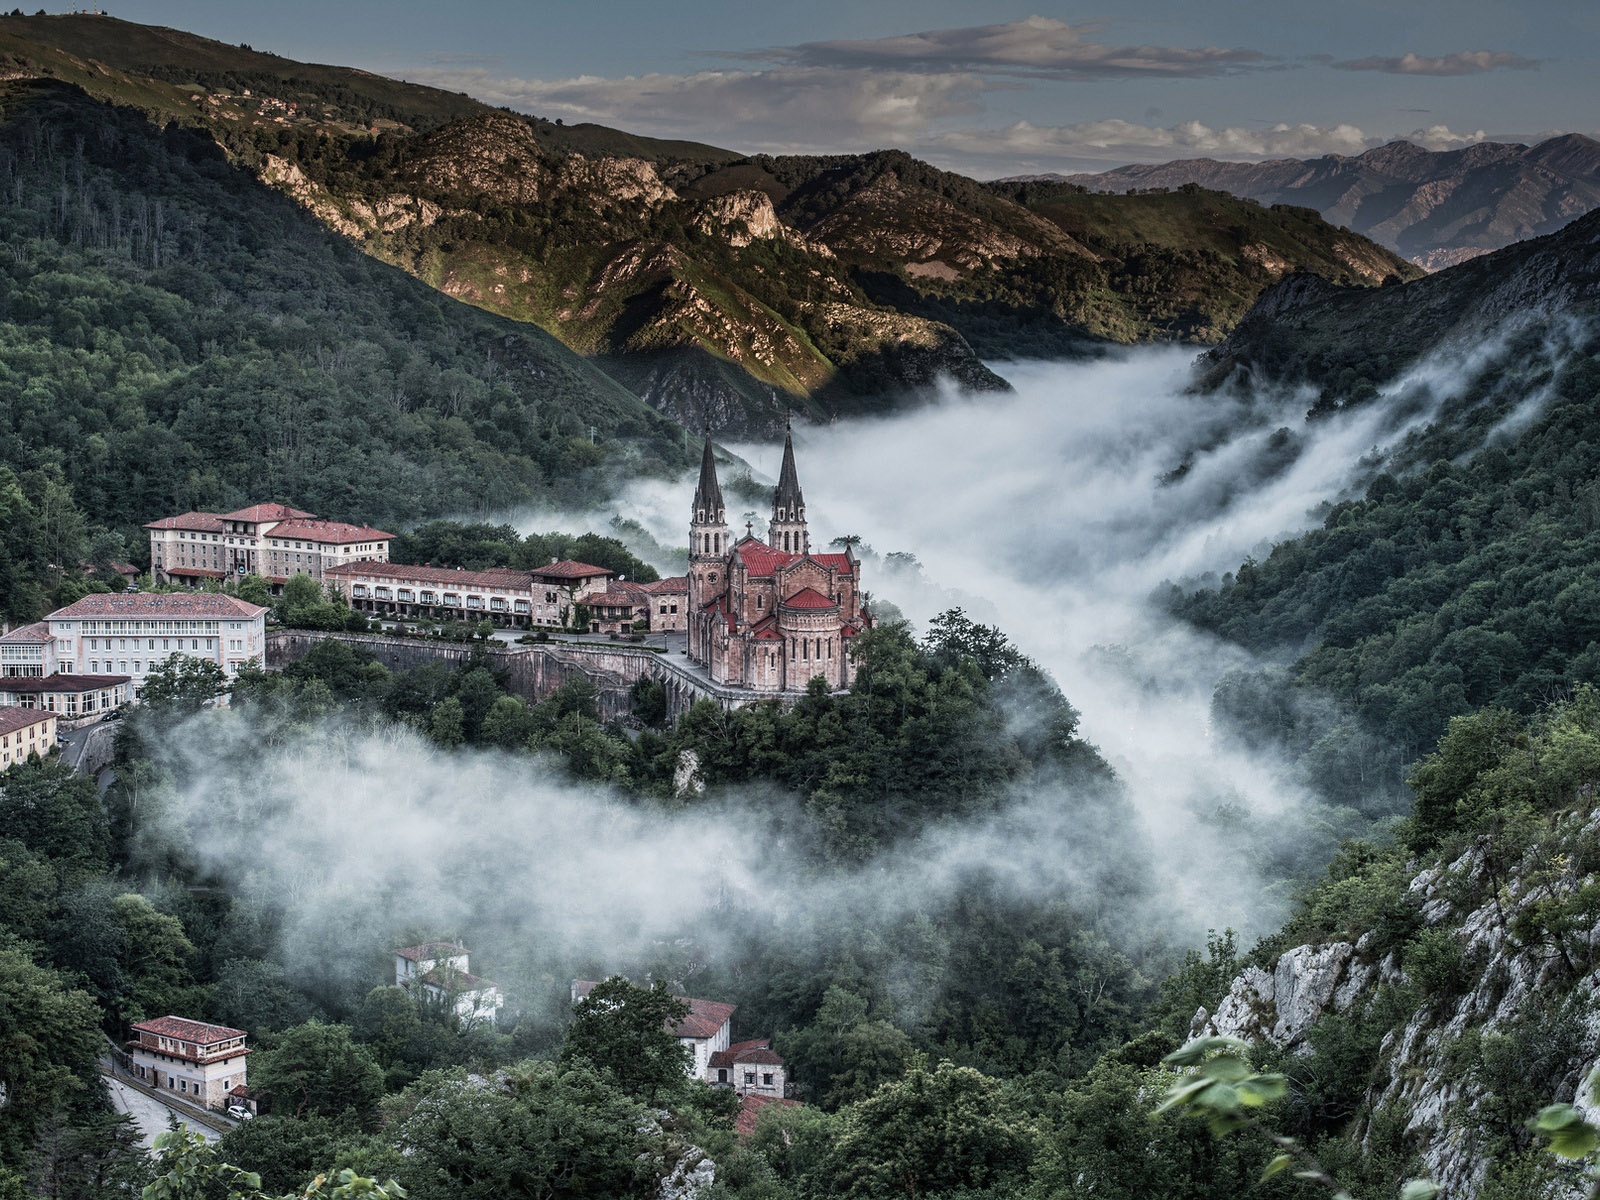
<point>688,1179</point>
<point>1419,1072</point>
<point>621,182</point>
<point>1281,1007</point>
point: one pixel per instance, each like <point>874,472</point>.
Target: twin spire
<point>787,529</point>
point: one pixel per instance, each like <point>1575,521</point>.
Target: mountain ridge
<point>1435,207</point>
<point>724,288</point>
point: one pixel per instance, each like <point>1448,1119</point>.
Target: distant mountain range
<point>1436,208</point>
<point>720,288</point>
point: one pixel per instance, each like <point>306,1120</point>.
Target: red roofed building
<point>707,1031</point>
<point>769,615</point>
<point>270,540</point>
<point>126,635</point>
<point>201,1063</point>
<point>544,598</point>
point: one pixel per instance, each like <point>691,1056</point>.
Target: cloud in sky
<point>774,108</point>
<point>1126,141</point>
<point>1463,62</point>
<point>1035,46</point>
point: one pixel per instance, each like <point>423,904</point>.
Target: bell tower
<point>709,547</point>
<point>787,530</point>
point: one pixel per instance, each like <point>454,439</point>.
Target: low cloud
<point>1035,46</point>
<point>1463,62</point>
<point>1098,142</point>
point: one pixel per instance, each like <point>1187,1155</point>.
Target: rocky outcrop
<point>1506,977</point>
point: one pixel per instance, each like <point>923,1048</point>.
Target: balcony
<point>430,597</point>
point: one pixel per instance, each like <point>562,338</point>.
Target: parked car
<point>240,1113</point>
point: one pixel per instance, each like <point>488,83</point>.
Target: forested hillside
<point>718,286</point>
<point>177,336</point>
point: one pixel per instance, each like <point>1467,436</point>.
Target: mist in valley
<point>1056,513</point>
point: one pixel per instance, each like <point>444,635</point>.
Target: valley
<point>909,686</point>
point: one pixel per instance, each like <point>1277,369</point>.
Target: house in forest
<point>749,1067</point>
<point>439,972</point>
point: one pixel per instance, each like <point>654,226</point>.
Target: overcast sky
<point>972,86</point>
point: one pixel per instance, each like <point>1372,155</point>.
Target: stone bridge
<point>535,671</point>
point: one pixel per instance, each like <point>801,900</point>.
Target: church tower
<point>787,530</point>
<point>708,553</point>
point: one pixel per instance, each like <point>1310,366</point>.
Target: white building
<point>24,732</point>
<point>202,1063</point>
<point>131,633</point>
<point>270,540</point>
<point>541,598</point>
<point>441,971</point>
<point>751,1067</point>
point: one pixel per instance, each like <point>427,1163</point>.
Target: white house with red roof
<point>769,615</point>
<point>126,635</point>
<point>440,972</point>
<point>274,541</point>
<point>707,1031</point>
<point>198,1062</point>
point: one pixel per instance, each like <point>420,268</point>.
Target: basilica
<point>769,615</point>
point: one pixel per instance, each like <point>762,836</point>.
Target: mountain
<point>1437,208</point>
<point>176,335</point>
<point>1344,341</point>
<point>723,289</point>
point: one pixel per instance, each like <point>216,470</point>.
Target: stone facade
<point>201,1063</point>
<point>270,540</point>
<point>769,615</point>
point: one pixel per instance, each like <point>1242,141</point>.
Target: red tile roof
<point>493,577</point>
<point>199,572</point>
<point>751,1108</point>
<point>159,604</point>
<point>761,559</point>
<point>570,570</point>
<point>33,634</point>
<point>839,562</point>
<point>13,718</point>
<point>431,950</point>
<point>808,598</point>
<point>677,585</point>
<point>258,514</point>
<point>28,685</point>
<point>757,1050</point>
<point>199,522</point>
<point>705,1018</point>
<point>188,1031</point>
<point>329,532</point>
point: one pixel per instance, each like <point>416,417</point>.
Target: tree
<point>628,1032</point>
<point>539,1130</point>
<point>843,1055</point>
<point>51,1035</point>
<point>253,589</point>
<point>931,1132</point>
<point>55,813</point>
<point>316,1069</point>
<point>182,685</point>
<point>305,604</point>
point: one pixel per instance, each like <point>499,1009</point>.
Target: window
<point>749,1076</point>
<point>766,1079</point>
<point>722,1074</point>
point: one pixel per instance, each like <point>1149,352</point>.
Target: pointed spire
<point>787,502</point>
<point>708,505</point>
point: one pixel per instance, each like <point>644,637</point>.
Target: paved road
<point>149,1114</point>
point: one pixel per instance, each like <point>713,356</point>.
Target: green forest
<point>174,336</point>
